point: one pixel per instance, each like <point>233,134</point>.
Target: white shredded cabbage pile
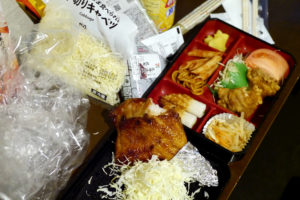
<point>155,179</point>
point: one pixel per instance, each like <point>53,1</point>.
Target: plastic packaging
<point>145,67</point>
<point>162,12</point>
<point>135,11</point>
<point>41,130</point>
<point>17,20</point>
<point>42,137</point>
<point>8,61</point>
<point>73,54</point>
<point>138,80</point>
<point>35,6</point>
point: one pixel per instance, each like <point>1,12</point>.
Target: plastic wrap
<point>70,52</point>
<point>18,21</point>
<point>8,62</point>
<point>41,128</point>
<point>42,137</point>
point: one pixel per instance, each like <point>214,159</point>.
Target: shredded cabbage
<point>152,180</point>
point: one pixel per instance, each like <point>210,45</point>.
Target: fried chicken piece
<point>246,100</point>
<point>266,83</point>
<point>142,133</point>
<point>240,99</point>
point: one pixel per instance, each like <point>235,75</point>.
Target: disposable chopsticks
<point>198,15</point>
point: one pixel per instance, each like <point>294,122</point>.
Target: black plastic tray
<point>81,189</point>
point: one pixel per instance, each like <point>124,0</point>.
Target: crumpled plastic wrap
<point>42,137</point>
<point>41,129</point>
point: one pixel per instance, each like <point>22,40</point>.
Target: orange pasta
<point>185,78</point>
<point>194,74</point>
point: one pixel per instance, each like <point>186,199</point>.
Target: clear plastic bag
<point>42,137</point>
<point>60,46</point>
<point>41,128</point>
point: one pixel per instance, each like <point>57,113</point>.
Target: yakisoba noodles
<point>194,74</point>
<point>187,79</point>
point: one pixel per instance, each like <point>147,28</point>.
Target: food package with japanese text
<point>75,55</point>
<point>41,128</point>
<point>103,20</point>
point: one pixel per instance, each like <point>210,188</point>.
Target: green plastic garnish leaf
<point>214,92</point>
<point>236,76</point>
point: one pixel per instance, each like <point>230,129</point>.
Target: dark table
<point>284,27</point>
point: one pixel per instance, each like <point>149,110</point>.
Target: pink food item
<point>270,62</point>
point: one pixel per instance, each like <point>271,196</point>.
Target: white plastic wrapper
<point>41,129</point>
<point>144,65</point>
<point>137,14</point>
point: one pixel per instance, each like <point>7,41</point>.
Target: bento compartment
<point>227,130</point>
<point>248,90</point>
<point>192,109</point>
<point>227,57</point>
<point>211,28</point>
<point>194,68</point>
<point>248,44</point>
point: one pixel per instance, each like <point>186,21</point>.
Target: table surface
<point>284,29</point>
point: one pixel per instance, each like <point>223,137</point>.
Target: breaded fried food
<point>262,80</point>
<point>240,99</point>
<point>247,99</point>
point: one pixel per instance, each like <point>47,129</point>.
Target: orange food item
<point>270,62</point>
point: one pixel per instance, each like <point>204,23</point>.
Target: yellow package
<point>162,12</point>
<point>35,6</point>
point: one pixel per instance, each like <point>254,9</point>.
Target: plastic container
<point>238,42</point>
<point>86,184</point>
<point>219,157</point>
